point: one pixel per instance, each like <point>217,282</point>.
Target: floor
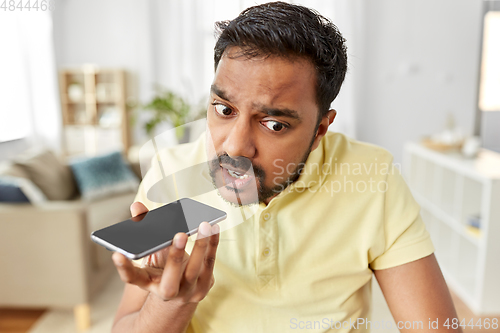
<point>20,321</point>
<point>463,312</point>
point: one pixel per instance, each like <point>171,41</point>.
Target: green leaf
<point>167,105</point>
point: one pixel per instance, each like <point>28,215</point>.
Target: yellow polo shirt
<point>305,261</point>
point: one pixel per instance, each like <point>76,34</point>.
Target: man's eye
<point>274,125</point>
<point>222,109</point>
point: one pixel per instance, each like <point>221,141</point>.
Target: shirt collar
<point>313,173</point>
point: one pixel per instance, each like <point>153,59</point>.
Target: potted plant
<point>168,106</point>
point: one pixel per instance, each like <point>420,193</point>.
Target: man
<point>305,259</point>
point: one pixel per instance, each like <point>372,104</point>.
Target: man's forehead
<point>252,57</point>
<point>274,75</point>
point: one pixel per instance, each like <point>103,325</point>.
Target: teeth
<point>236,175</point>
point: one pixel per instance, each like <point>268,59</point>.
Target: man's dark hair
<point>286,30</point>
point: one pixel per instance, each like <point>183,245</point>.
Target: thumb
<point>138,208</point>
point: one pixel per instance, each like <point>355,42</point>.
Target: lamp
<point>488,96</point>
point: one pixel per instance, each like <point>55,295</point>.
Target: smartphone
<point>152,231</point>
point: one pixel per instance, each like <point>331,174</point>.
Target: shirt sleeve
<point>405,236</point>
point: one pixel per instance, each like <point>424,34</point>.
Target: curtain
<point>29,102</point>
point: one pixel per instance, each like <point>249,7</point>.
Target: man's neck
<point>268,200</point>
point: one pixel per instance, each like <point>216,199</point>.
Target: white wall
<point>490,130</point>
<point>420,62</point>
<point>111,33</point>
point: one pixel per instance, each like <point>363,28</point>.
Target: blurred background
<point>84,84</point>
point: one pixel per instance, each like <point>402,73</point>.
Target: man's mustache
<point>239,162</point>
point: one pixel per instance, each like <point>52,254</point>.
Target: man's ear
<point>323,127</point>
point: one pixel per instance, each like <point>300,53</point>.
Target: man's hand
<point>172,274</point>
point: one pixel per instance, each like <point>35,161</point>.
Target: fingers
<point>197,256</point>
<point>206,275</point>
<point>138,208</point>
<point>130,273</point>
<point>157,259</point>
<point>172,274</point>
<point>177,275</point>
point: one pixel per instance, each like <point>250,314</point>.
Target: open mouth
<point>236,174</point>
<point>236,177</point>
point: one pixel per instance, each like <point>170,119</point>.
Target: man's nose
<point>239,141</point>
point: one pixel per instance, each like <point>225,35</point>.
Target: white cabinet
<point>455,192</point>
<point>94,110</point>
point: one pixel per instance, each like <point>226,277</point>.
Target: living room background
<point>396,63</point>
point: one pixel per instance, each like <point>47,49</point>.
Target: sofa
<point>47,258</point>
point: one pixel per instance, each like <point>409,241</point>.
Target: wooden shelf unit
<point>451,190</point>
<point>93,103</point>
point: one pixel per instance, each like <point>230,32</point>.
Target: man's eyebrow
<point>219,92</point>
<point>280,112</point>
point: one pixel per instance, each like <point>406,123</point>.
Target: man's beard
<point>263,192</point>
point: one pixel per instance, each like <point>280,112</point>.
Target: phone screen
<point>151,231</point>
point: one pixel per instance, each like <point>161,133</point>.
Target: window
<point>14,88</point>
<point>489,85</point>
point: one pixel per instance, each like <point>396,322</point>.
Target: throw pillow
<point>16,189</point>
<point>50,175</point>
<point>10,192</point>
<point>101,176</point>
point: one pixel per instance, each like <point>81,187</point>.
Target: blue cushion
<point>101,176</point>
<point>11,192</point>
